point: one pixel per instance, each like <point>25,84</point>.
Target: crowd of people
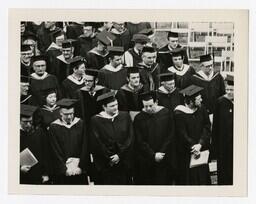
<point>102,103</point>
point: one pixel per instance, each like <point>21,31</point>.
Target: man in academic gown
<point>68,141</point>
<point>128,95</point>
<point>33,138</point>
<point>87,105</point>
<point>168,95</point>
<point>74,81</point>
<point>154,143</point>
<point>25,60</point>
<point>111,143</point>
<point>149,69</point>
<point>132,57</point>
<point>113,75</point>
<point>87,40</point>
<point>211,81</point>
<point>97,57</point>
<point>41,80</point>
<point>193,131</point>
<point>222,139</point>
<point>183,72</point>
<point>122,35</point>
<point>31,40</point>
<point>62,67</point>
<point>165,53</point>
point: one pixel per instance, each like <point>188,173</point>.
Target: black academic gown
<point>154,133</point>
<point>38,86</point>
<point>128,99</point>
<point>169,100</point>
<point>222,140</point>
<point>183,77</point>
<point>52,63</point>
<point>191,129</point>
<point>213,89</point>
<point>62,68</point>
<point>109,137</point>
<point>123,39</point>
<point>96,60</point>
<point>70,85</point>
<point>86,44</point>
<point>35,142</point>
<point>149,76</point>
<point>112,80</point>
<point>68,142</point>
<point>136,58</point>
<point>74,30</point>
<point>165,58</point>
<point>26,70</point>
<point>26,99</point>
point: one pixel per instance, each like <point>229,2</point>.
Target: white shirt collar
<point>62,123</point>
<point>103,114</point>
<point>184,109</point>
<point>162,89</point>
<point>109,67</point>
<point>202,74</point>
<point>75,80</point>
<point>179,72</point>
<point>35,76</point>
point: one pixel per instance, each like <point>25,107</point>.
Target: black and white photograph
<point>127,103</point>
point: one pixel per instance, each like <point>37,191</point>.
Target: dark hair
<point>188,99</point>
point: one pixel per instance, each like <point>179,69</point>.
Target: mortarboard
<point>105,37</point>
<point>166,76</point>
<point>230,79</point>
<point>39,58</point>
<point>147,31</point>
<point>177,52</point>
<point>140,38</point>
<point>25,48</point>
<point>115,51</point>
<point>29,35</point>
<point>106,98</point>
<point>146,96</point>
<point>131,70</point>
<point>68,43</point>
<point>205,58</point>
<point>27,110</point>
<point>172,34</point>
<point>24,79</point>
<point>191,91</point>
<point>92,72</point>
<point>76,61</point>
<point>148,49</point>
<point>66,103</point>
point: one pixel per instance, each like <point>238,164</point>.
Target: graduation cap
<point>146,96</point>
<point>140,38</point>
<point>177,52</point>
<point>68,43</point>
<point>191,91</point>
<point>205,58</point>
<point>25,48</point>
<point>166,76</point>
<point>66,103</point>
<point>92,72</point>
<point>76,61</point>
<point>106,98</point>
<point>29,35</point>
<point>24,79</point>
<point>39,58</point>
<point>27,110</point>
<point>105,37</point>
<point>115,51</point>
<point>148,49</point>
<point>230,80</point>
<point>131,70</point>
<point>172,34</point>
<point>147,31</point>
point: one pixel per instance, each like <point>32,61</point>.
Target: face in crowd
<point>230,91</point>
<point>149,106</point>
<point>101,47</point>
<point>39,67</point>
<point>79,70</point>
<point>169,85</point>
<point>207,67</point>
<point>26,56</point>
<point>67,115</point>
<point>51,99</point>
<point>88,31</point>
<point>115,61</point>
<point>90,82</point>
<point>173,42</point>
<point>24,87</point>
<point>26,123</point>
<point>111,108</point>
<point>134,79</point>
<point>119,26</point>
<point>59,40</point>
<point>149,58</point>
<point>177,61</point>
<point>67,52</point>
<point>49,24</point>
